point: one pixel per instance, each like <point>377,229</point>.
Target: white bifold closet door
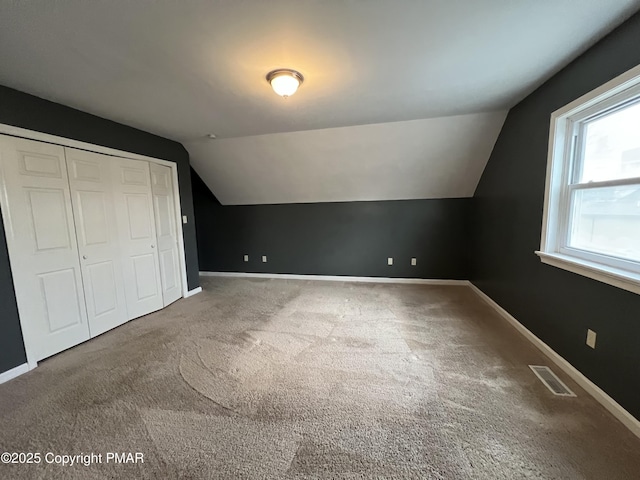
<point>92,241</point>
<point>166,231</point>
<point>41,238</point>
<point>90,179</point>
<point>136,225</point>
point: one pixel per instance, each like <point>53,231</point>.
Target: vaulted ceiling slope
<point>187,68</point>
<point>432,158</point>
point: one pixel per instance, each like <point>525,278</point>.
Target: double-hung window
<point>591,220</point>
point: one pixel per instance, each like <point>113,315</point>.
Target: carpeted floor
<point>305,379</point>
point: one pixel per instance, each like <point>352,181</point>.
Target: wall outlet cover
<point>591,338</point>
<point>184,219</point>
<point>246,258</point>
<point>414,261</point>
<point>389,261</point>
<point>264,259</point>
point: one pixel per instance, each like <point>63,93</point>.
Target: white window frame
<point>564,139</point>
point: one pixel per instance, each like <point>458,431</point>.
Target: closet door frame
<point>67,142</point>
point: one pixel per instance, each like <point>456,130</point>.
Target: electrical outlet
<point>184,219</point>
<point>390,261</point>
<point>246,258</point>
<point>591,338</point>
<point>264,259</point>
<point>414,262</point>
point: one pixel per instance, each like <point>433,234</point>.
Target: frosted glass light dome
<point>285,82</point>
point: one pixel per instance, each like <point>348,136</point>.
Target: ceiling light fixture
<point>285,82</point>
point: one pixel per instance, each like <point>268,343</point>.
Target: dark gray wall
<point>346,238</point>
<point>33,113</point>
<point>556,305</point>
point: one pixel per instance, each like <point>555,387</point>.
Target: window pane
<point>607,220</point>
<point>612,146</point>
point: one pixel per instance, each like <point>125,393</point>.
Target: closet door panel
<point>98,239</point>
<point>59,291</point>
<point>104,290</point>
<point>134,211</point>
<point>38,220</point>
<point>166,231</point>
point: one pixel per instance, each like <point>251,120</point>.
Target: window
<point>591,222</point>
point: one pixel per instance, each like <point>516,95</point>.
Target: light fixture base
<point>284,71</point>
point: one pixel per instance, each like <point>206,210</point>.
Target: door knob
<point>84,257</point>
<point>153,246</point>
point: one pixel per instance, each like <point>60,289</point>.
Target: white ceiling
<point>182,69</point>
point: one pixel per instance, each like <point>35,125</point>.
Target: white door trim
<point>67,142</point>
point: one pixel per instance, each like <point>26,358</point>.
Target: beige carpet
<point>301,379</point>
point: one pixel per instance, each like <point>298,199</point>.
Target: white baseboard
<point>333,278</point>
<point>591,388</point>
<point>14,372</point>
<point>193,292</point>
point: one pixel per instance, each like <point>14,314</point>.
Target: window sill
<point>612,276</point>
